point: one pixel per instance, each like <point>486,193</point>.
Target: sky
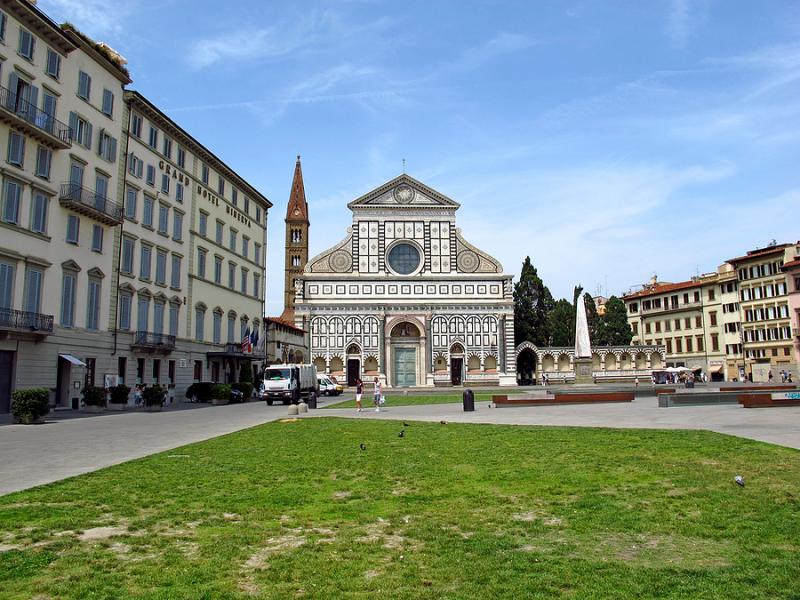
<point>607,140</point>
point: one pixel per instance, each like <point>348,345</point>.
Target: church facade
<point>405,298</point>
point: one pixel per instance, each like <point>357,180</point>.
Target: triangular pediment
<point>403,192</point>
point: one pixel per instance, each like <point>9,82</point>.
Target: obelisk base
<point>583,370</point>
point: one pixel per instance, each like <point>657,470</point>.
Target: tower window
<point>297,236</point>
<point>295,261</point>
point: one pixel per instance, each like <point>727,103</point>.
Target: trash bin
<point>690,384</point>
<point>312,400</point>
<point>469,400</point>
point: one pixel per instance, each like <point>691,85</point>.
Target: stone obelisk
<point>583,347</point>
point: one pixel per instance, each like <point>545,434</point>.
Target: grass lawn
<point>449,511</point>
<point>400,400</point>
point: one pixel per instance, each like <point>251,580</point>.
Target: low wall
<point>767,400</point>
<point>697,399</point>
<point>565,398</point>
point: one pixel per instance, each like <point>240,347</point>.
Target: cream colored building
<point>686,318</point>
<point>65,231</point>
<point>192,259</point>
<point>60,127</point>
<point>764,310</point>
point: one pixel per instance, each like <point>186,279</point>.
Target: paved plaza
<point>65,447</point>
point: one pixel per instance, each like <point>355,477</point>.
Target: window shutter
<point>100,142</point>
<point>139,167</point>
<point>33,98</point>
<point>112,149</point>
<point>73,125</point>
<point>13,82</point>
<point>88,141</point>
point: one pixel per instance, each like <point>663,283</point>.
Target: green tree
<point>562,323</point>
<point>592,318</point>
<point>613,328</point>
<point>532,304</point>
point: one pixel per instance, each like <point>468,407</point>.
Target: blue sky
<point>607,140</point>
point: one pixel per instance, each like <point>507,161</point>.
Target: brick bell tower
<point>296,240</point>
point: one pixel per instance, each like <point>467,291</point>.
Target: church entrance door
<point>405,367</point>
<point>456,369</point>
<point>353,368</point>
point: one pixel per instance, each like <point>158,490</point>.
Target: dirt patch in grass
<point>638,550</point>
<point>342,495</point>
<point>101,533</point>
<point>272,546</point>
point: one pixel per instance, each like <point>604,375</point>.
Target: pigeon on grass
<point>739,480</point>
<point>363,446</point>
<point>402,433</point>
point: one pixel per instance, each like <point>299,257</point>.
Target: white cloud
<point>96,17</point>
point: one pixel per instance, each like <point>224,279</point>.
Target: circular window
<point>404,258</point>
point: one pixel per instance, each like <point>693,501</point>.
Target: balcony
<point>89,203</point>
<point>235,351</point>
<point>147,341</point>
<point>672,308</point>
<point>795,331</point>
<point>21,321</point>
<point>44,127</point>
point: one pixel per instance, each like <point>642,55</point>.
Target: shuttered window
<point>68,299</point>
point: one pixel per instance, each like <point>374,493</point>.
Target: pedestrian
<point>377,397</point>
<point>359,390</point>
<point>636,381</point>
<point>137,395</point>
<point>769,377</point>
<point>788,378</point>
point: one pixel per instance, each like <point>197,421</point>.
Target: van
<point>328,387</point>
<point>290,383</point>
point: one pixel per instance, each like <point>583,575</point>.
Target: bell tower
<point>296,240</point>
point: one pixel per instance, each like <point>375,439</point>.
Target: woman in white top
<point>377,397</point>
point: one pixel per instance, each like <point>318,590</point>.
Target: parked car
<point>328,387</point>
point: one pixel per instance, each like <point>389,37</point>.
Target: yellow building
<point>764,311</point>
<point>685,317</point>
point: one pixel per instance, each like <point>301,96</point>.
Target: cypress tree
<point>613,328</point>
<point>532,303</point>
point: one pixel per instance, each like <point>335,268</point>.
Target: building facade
<point>107,264</point>
<point>191,259</point>
<point>792,270</point>
<point>766,322</point>
<point>405,298</point>
<point>685,318</point>
<point>60,124</point>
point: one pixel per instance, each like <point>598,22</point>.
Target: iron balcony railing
<point>13,103</point>
<point>148,339</point>
<point>25,321</point>
<point>90,203</point>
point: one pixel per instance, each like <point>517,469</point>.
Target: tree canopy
<point>532,303</point>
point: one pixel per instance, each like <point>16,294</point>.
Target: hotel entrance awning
<point>73,360</point>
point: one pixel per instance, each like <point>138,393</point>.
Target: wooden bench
<point>565,398</point>
<point>765,401</point>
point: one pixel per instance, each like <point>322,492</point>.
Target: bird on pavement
<point>363,446</point>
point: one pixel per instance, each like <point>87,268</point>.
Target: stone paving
<point>66,446</point>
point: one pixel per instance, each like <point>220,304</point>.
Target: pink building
<point>792,270</point>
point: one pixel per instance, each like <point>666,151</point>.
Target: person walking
<point>377,396</point>
<point>359,390</point>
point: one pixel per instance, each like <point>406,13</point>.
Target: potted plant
<point>94,399</point>
<point>153,398</point>
<point>220,394</point>
<point>118,397</point>
<point>30,406</point>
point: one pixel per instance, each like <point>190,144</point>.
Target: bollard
<point>312,401</point>
<point>292,409</point>
<point>302,407</point>
<point>468,399</point>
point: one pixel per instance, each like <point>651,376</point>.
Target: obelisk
<point>583,346</point>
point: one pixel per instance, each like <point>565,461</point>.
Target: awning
<point>73,360</point>
<point>715,369</point>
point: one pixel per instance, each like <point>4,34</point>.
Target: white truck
<point>290,384</point>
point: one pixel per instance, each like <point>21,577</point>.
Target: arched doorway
<point>456,364</point>
<point>526,367</point>
<point>404,339</point>
<point>353,364</point>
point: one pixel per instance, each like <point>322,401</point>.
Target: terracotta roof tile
<point>759,252</point>
<point>662,288</point>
